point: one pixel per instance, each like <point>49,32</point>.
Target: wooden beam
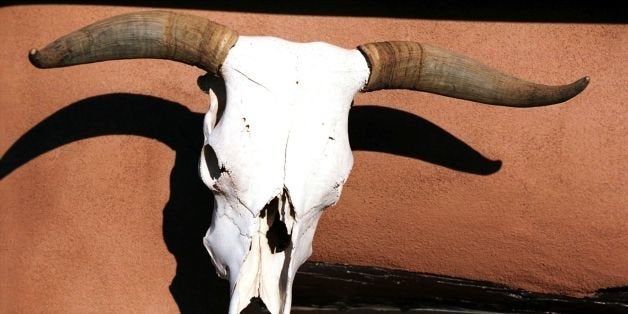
<point>327,288</point>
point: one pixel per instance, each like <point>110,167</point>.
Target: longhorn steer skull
<point>278,153</point>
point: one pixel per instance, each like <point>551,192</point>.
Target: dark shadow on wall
<point>387,130</point>
<point>186,215</point>
<point>602,11</point>
<point>371,128</point>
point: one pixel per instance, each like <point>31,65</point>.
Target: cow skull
<point>276,151</point>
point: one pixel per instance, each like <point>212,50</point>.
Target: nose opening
<point>277,234</point>
<point>256,306</point>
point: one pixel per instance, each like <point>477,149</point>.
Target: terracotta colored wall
<point>109,219</point>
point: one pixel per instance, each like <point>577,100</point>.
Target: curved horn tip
<point>584,81</point>
<point>579,85</point>
<point>34,58</point>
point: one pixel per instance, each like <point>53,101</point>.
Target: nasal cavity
<point>277,234</point>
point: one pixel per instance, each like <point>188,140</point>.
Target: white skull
<point>278,156</point>
<point>277,153</point>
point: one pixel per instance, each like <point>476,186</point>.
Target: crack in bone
<point>285,158</point>
<point>252,80</point>
<point>234,221</point>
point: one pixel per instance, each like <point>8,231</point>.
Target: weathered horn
<point>153,34</point>
<point>414,66</point>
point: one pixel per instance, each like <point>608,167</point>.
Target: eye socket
<point>212,162</point>
<point>209,167</point>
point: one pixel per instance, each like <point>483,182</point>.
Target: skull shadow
<point>187,214</point>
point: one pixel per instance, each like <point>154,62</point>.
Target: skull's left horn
<point>415,66</point>
<point>154,34</point>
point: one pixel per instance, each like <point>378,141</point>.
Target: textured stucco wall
<point>105,222</point>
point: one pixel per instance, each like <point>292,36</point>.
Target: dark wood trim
<point>347,287</point>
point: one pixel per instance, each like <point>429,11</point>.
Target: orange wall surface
<point>101,209</point>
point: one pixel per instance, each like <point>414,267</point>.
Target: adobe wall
<point>110,216</point>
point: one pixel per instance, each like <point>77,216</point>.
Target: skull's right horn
<point>152,34</point>
<point>415,66</point>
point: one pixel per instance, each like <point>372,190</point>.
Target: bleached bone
<point>277,153</point>
<point>280,156</point>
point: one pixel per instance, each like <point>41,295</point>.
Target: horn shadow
<point>113,114</point>
<point>187,214</point>
<point>382,129</point>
